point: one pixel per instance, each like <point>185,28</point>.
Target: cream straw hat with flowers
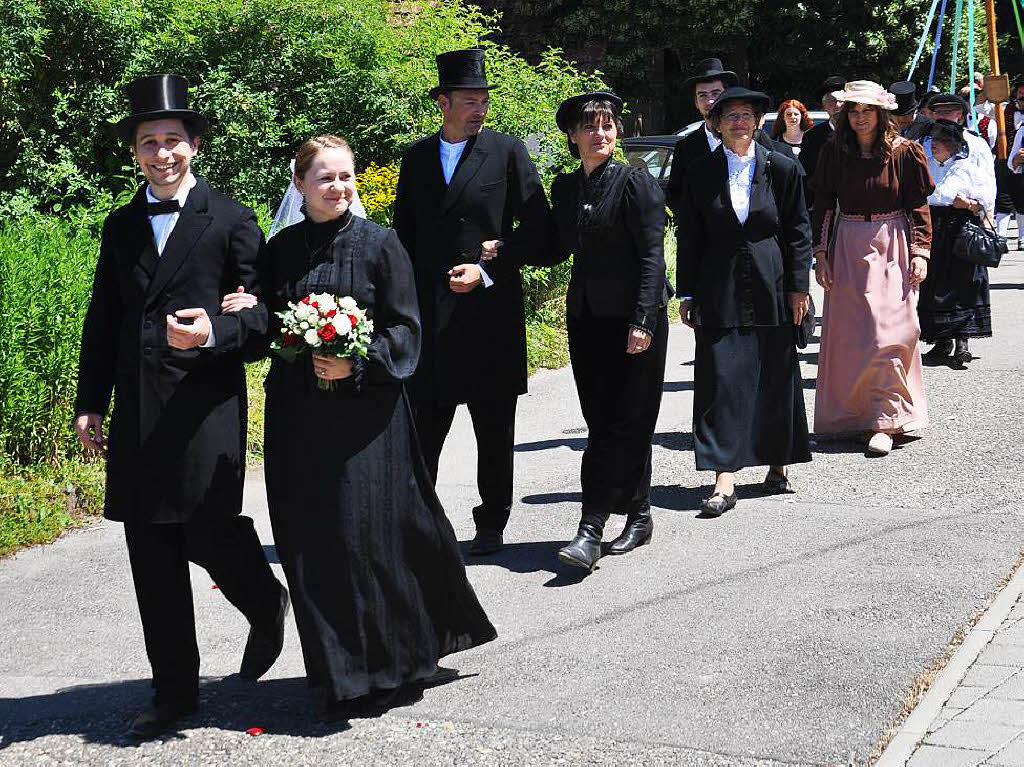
<point>866,92</point>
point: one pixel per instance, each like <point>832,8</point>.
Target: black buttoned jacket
<point>177,433</point>
<point>739,275</point>
<point>474,344</point>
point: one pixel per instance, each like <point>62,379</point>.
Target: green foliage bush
<point>46,267</point>
<point>268,74</point>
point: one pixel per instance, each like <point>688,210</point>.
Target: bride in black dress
<point>378,585</point>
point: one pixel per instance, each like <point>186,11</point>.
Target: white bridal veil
<point>288,212</point>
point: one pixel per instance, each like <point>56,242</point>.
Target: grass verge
<point>38,504</point>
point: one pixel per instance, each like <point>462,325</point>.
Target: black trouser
<point>229,549</point>
<point>620,396</point>
<point>494,423</point>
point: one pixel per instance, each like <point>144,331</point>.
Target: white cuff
<point>485,277</point>
<point>211,340</point>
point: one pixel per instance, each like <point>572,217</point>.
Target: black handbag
<point>804,332</point>
<point>979,244</point>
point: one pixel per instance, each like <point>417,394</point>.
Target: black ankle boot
<point>639,530</point>
<point>585,549</point>
<point>962,353</point>
<point>940,350</point>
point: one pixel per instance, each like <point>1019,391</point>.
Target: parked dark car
<point>655,152</point>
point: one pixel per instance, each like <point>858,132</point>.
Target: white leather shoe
<point>880,443</point>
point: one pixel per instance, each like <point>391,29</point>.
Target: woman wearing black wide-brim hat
<point>611,218</point>
<point>743,275</point>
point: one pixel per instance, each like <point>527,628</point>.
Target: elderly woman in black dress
<point>611,218</point>
<point>378,585</point>
<point>744,254</point>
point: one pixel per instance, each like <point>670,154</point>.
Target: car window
<point>655,160</point>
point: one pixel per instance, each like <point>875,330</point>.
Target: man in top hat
<point>909,122</point>
<point>708,84</point>
<point>175,449</point>
<point>816,138</point>
<point>458,188</point>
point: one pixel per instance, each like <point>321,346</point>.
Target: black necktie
<point>162,207</point>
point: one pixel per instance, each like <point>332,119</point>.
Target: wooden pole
<point>993,53</point>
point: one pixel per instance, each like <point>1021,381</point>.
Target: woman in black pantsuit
<point>744,260</point>
<point>611,217</point>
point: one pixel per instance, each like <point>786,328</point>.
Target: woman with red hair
<point>790,124</point>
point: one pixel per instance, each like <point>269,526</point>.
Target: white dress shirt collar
<point>164,223</point>
<point>450,154</point>
<point>741,175</point>
<point>713,140</point>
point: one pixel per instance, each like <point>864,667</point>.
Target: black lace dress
<point>378,585</point>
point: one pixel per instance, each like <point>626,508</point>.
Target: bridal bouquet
<point>325,324</point>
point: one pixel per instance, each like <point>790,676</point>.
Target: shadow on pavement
<point>101,713</point>
<point>530,557</point>
<point>1007,286</point>
<point>672,440</point>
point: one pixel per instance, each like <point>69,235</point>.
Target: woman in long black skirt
<point>611,217</point>
<point>377,582</point>
<point>954,304</point>
<point>744,254</point>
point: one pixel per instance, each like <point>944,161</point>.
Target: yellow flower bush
<point>377,185</point>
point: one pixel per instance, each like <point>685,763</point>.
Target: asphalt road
<point>788,631</point>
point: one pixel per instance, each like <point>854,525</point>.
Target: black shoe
<point>638,531</point>
<point>159,718</point>
<point>941,350</point>
<point>962,354</point>
<point>263,646</point>
<point>486,542</point>
<point>584,550</point>
<point>718,504</point>
<point>777,484</point>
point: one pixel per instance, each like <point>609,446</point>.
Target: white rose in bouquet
<point>311,338</point>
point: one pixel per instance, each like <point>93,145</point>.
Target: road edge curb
<point>915,727</point>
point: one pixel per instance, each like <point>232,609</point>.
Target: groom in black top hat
<point>458,188</point>
<point>176,447</point>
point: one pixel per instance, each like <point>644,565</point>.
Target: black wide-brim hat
<point>158,97</point>
<point>461,70</point>
<point>739,93</point>
<point>906,97</point>
<point>568,112</point>
<point>711,69</point>
<point>949,98</point>
<point>831,84</point>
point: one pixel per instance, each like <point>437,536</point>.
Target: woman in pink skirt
<point>872,238</point>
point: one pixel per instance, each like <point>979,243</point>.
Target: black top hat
<point>952,133</point>
<point>760,100</point>
<point>906,97</point>
<point>157,97</point>
<point>711,69</point>
<point>948,98</point>
<point>831,84</point>
<point>461,69</point>
<point>568,110</point>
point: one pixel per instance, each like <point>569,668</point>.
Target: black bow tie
<point>162,207</point>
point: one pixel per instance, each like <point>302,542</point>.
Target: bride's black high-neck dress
<point>378,585</point>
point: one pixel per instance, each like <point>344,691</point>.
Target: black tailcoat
<point>695,146</point>
<point>177,432</point>
<point>740,274</point>
<point>473,343</point>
